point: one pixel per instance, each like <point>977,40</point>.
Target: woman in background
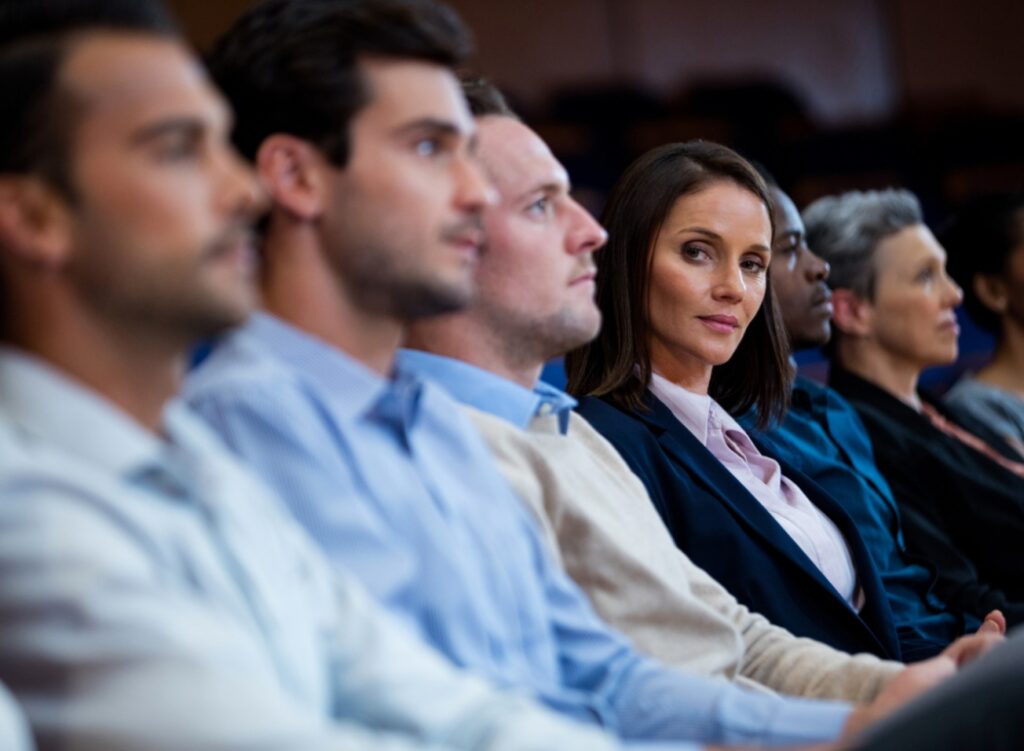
<point>985,243</point>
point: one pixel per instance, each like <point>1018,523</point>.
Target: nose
<point>474,190</point>
<point>956,294</point>
<point>818,268</point>
<point>586,235</point>
<point>729,285</point>
<point>241,191</point>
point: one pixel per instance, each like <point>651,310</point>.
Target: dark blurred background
<point>829,94</point>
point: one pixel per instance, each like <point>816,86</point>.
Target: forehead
<point>402,92</point>
<point>784,214</point>
<point>516,158</point>
<point>119,82</point>
<point>907,248</point>
<point>724,207</point>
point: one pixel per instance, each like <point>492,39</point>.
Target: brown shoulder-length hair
<point>617,364</point>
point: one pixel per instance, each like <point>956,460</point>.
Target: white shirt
<point>815,534</point>
<point>154,595</point>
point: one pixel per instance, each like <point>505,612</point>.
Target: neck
<point>683,371</point>
<point>300,287</point>
<point>137,370</point>
<point>1006,370</point>
<point>882,368</point>
<point>458,336</point>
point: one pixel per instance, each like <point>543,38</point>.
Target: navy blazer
<point>728,533</point>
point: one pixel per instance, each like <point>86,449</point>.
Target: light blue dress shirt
<point>154,595</point>
<point>392,480</point>
<point>14,735</point>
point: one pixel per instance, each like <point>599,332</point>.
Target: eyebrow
<point>549,188</point>
<point>191,125</point>
<point>431,124</point>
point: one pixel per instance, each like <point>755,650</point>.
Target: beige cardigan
<point>600,523</point>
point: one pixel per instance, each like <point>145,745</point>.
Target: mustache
<point>472,224</point>
<point>238,233</point>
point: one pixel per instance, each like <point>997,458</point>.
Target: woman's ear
<point>35,221</point>
<point>291,171</point>
<point>851,314</point>
<point>992,291</point>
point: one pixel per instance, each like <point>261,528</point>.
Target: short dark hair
<point>979,239</point>
<point>617,363</point>
<point>291,66</point>
<point>484,98</point>
<point>35,38</point>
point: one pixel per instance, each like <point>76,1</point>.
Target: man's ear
<point>291,171</point>
<point>992,291</point>
<point>35,222</point>
<point>851,314</point>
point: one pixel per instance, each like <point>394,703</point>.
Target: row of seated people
<point>157,593</point>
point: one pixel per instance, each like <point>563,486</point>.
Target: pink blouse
<point>811,529</point>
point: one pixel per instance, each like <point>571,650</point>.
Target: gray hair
<point>846,229</point>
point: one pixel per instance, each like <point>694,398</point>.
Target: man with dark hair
<point>822,436</point>
<point>152,593</point>
<point>380,465</point>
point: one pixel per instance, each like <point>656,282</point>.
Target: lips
<point>724,324</point>
<point>587,276</point>
<point>467,239</point>
<point>238,246</point>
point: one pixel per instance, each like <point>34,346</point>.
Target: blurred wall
<point>970,51</point>
<point>835,54</point>
<point>852,60</point>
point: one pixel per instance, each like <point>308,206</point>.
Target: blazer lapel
<point>701,464</point>
<point>876,611</point>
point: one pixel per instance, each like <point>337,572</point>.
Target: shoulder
<point>611,420</point>
<point>971,396</point>
<point>502,436</point>
<point>236,370</point>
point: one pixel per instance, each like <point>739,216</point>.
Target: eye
<point>178,148</point>
<point>695,252</point>
<point>540,207</point>
<point>753,264</point>
<point>789,245</point>
<point>925,276</point>
<point>430,146</point>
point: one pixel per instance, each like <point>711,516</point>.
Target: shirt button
<point>545,409</point>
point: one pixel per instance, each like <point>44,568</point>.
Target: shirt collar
<point>692,410</point>
<point>351,388</point>
<point>44,402</point>
<point>490,392</point>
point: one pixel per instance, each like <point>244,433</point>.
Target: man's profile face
<point>160,219</point>
<point>798,278</point>
<point>536,280</point>
<point>403,223</point>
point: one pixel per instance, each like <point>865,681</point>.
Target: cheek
<point>755,297</point>
<point>909,322</point>
<point>670,300</point>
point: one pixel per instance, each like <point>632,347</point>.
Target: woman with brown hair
<point>691,333</point>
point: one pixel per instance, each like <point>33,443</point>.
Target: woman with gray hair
<point>961,494</point>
